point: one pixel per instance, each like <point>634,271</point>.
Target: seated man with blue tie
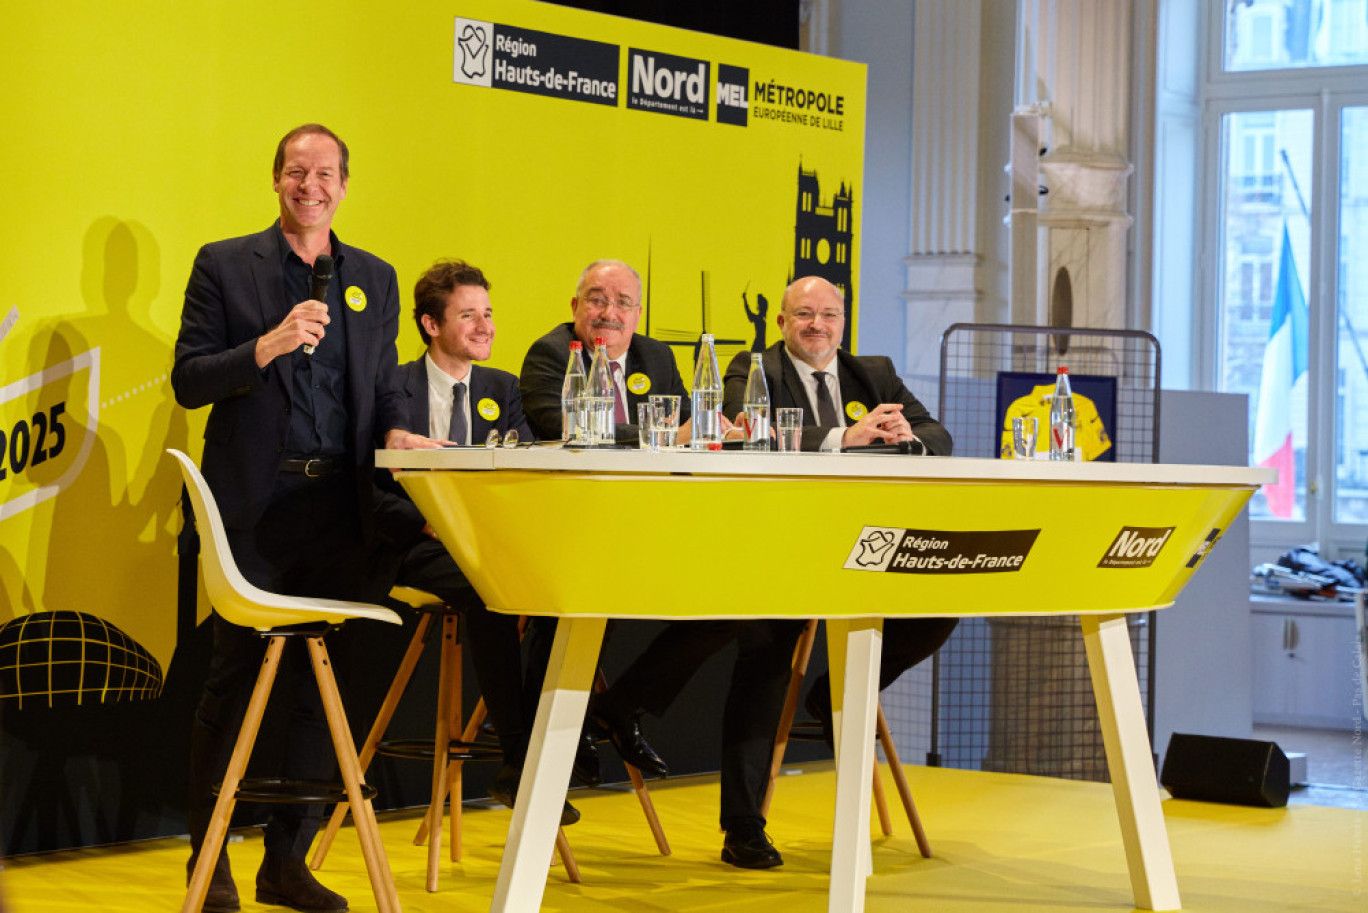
<point>451,399</point>
<point>808,369</point>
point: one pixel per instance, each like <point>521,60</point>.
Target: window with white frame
<point>1287,134</point>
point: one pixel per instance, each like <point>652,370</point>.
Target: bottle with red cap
<point>1062,419</point>
<point>572,396</point>
<point>600,427</point>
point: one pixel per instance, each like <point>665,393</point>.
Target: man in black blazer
<point>450,398</point>
<point>607,305</point>
<point>865,403</point>
<point>288,454</point>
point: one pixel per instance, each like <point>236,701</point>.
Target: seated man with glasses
<point>607,305</point>
<point>847,401</point>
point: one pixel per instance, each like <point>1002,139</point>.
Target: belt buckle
<point>309,468</point>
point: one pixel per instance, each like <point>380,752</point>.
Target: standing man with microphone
<point>288,454</point>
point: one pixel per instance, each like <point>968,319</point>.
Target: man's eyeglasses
<point>598,302</point>
<point>808,316</point>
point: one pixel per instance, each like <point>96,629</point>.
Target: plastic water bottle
<point>757,407</point>
<point>1062,418</point>
<point>599,425</point>
<point>572,391</point>
<point>706,399</point>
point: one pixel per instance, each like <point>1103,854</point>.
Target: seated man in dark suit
<point>607,305</point>
<point>847,400</point>
<point>450,398</point>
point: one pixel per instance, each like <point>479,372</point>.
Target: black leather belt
<point>313,467</point>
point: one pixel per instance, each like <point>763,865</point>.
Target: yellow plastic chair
<point>241,603</point>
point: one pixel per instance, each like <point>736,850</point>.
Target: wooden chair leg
<point>881,802</point>
<point>639,787</point>
<point>377,732</point>
<point>448,694</point>
<point>904,790</point>
<point>567,857</point>
<point>237,764</point>
<point>367,828</point>
<point>802,652</point>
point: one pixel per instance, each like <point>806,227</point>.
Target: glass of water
<point>1024,432</point>
<point>665,429</point>
<point>646,426</point>
<point>789,423</point>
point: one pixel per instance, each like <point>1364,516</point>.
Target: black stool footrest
<point>422,750</point>
<point>808,731</point>
<point>272,789</point>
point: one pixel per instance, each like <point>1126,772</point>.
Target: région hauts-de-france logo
<point>474,40</point>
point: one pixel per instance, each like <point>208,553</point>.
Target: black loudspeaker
<point>1214,769</point>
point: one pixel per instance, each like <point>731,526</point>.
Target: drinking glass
<point>646,426</point>
<point>789,422</point>
<point>1024,430</point>
<point>665,410</point>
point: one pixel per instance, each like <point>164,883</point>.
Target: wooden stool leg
<point>367,828</point>
<point>904,790</point>
<point>639,786</point>
<point>567,857</point>
<point>446,694</point>
<point>880,802</point>
<point>377,732</point>
<point>237,764</point>
<point>802,652</point>
<point>454,786</point>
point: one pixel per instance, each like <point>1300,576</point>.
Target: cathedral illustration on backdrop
<point>822,239</point>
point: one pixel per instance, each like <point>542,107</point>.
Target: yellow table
<point>852,539</point>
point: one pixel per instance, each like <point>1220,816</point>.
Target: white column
<point>942,265</point>
<point>1074,66</point>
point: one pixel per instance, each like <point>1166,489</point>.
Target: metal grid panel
<point>1014,695</point>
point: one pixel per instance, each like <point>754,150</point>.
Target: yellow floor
<point>1002,843</point>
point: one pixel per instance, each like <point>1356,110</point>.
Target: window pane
<point>1351,333</point>
<point>1276,34</point>
<point>1265,254</point>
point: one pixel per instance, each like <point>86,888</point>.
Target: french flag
<point>1283,366</point>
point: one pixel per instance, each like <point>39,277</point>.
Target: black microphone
<point>322,276</point>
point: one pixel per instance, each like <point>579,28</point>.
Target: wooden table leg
<point>550,755</point>
<point>853,647</point>
<point>1129,759</point>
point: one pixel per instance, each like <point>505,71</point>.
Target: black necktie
<point>826,409</point>
<point>458,432</point>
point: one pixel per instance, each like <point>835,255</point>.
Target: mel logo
<point>668,84</point>
<point>1136,546</point>
<point>731,94</point>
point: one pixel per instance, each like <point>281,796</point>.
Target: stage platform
<point>1002,843</point>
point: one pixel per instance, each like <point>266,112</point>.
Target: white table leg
<point>550,754</point>
<point>1129,759</point>
<point>853,648</point>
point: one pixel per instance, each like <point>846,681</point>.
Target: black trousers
<point>308,543</point>
<point>906,642</point>
<point>491,639</point>
<point>755,696</point>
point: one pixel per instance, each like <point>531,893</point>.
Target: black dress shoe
<point>586,770</point>
<point>504,790</point>
<point>818,703</point>
<point>286,881</point>
<point>748,847</point>
<point>631,745</point>
<point>222,896</point>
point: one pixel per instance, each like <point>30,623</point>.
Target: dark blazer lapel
<point>416,387</point>
<point>793,387</point>
<point>856,384</point>
<point>268,279</point>
<point>479,389</point>
<point>635,363</point>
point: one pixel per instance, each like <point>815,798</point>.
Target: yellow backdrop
<point>134,134</point>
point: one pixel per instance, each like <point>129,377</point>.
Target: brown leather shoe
<point>222,896</point>
<point>287,882</point>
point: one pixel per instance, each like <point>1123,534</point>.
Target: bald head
<point>812,320</point>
